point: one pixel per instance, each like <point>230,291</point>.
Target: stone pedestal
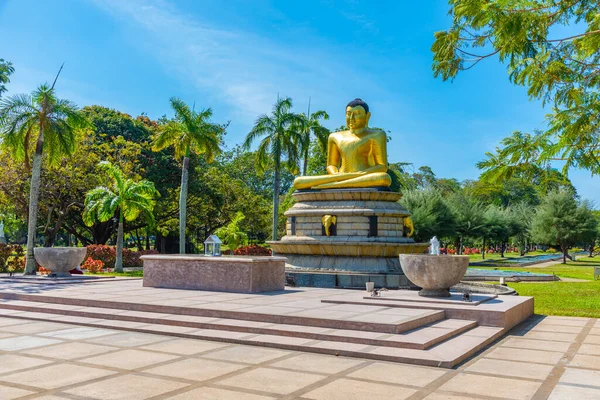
<point>367,236</point>
<point>237,274</point>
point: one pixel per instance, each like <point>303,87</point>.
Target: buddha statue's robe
<point>354,160</point>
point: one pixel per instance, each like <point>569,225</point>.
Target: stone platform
<point>239,274</point>
<point>400,327</point>
<point>367,236</point>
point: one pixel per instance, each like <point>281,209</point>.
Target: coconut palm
<point>190,132</point>
<point>127,198</point>
<point>55,122</point>
<point>279,146</point>
<point>311,124</point>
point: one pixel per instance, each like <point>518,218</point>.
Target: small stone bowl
<point>434,274</point>
<point>59,260</point>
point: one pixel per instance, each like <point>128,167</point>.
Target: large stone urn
<point>59,260</point>
<point>435,274</point>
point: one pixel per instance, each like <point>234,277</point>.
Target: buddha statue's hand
<point>332,170</point>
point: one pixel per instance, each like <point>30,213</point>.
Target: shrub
<point>253,250</point>
<point>93,266</point>
<point>11,256</point>
<point>43,271</point>
<point>108,255</point>
<point>131,259</point>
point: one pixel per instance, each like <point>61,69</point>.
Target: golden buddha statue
<point>356,158</point>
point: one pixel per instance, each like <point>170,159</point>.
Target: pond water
<point>538,258</point>
<point>496,272</point>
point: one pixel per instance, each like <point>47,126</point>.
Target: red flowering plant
<point>252,250</point>
<point>108,256</point>
<point>92,266</point>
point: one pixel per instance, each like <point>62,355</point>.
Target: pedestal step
<point>374,319</point>
<point>420,338</point>
<point>445,354</point>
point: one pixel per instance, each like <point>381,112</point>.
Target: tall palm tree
<point>311,124</point>
<point>190,132</point>
<point>124,196</point>
<point>55,121</point>
<point>279,145</point>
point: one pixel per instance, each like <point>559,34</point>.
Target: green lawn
<point>581,299</point>
<point>135,274</point>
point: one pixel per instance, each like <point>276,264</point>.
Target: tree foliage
<point>562,69</point>
<point>560,221</point>
<point>232,234</point>
<point>430,214</point>
<point>55,121</point>
<point>280,133</point>
<point>124,199</point>
<point>6,70</point>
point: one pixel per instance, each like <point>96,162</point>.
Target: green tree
<point>430,214</point>
<point>311,124</point>
<point>402,180</point>
<point>562,69</point>
<point>6,70</point>
<point>279,145</point>
<point>468,217</point>
<point>589,225</point>
<point>125,197</point>
<point>559,221</point>
<point>189,132</point>
<point>496,228</point>
<point>232,234</point>
<point>521,219</point>
<point>55,121</point>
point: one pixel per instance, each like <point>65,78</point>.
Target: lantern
<point>212,246</point>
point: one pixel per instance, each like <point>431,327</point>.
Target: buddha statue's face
<point>357,118</point>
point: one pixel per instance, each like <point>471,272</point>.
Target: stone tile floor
<point>546,357</point>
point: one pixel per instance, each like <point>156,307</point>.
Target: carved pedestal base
<point>367,236</point>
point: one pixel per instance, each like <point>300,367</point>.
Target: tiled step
<point>503,311</point>
<point>445,355</point>
<point>374,318</point>
<point>421,338</point>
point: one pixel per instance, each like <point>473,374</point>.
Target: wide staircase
<point>395,328</point>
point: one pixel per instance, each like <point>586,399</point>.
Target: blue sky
<point>236,57</point>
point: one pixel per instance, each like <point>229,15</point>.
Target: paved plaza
<point>545,357</point>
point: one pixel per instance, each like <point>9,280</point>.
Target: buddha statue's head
<point>357,115</point>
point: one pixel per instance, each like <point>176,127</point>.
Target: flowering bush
<point>43,271</point>
<point>12,256</point>
<point>252,250</point>
<point>132,258</point>
<point>108,255</point>
<point>93,266</point>
<point>471,250</point>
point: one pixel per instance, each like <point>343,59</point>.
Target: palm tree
<point>126,197</point>
<point>311,124</point>
<point>278,146</point>
<point>190,132</point>
<point>55,120</point>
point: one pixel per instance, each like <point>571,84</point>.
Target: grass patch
<point>135,274</point>
<point>575,299</point>
<point>581,269</point>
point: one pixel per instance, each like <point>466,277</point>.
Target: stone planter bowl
<point>435,274</point>
<point>59,260</point>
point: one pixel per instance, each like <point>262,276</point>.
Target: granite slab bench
<point>238,274</point>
